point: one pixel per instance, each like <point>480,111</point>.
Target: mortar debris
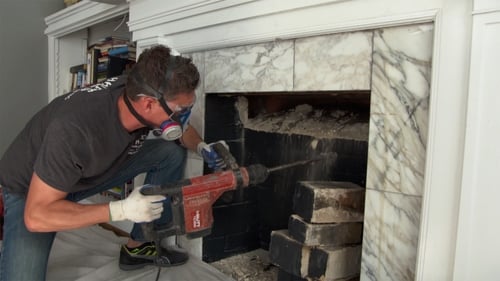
<point>305,120</point>
<point>250,266</point>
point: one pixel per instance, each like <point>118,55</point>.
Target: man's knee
<point>169,153</point>
<point>174,153</point>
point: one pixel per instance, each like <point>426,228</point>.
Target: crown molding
<point>214,38</point>
<point>81,15</point>
<point>196,14</point>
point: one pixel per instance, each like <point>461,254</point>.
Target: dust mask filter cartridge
<point>170,130</point>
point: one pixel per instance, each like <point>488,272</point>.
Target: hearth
<point>275,128</point>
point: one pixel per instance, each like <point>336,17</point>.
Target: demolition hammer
<point>192,199</point>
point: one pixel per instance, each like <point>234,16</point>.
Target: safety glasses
<point>174,107</point>
<point>180,109</point>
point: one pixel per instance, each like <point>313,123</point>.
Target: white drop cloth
<point>92,254</point>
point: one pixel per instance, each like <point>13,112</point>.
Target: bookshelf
<point>109,56</point>
<point>71,30</point>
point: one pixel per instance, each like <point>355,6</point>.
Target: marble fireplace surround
<point>395,64</point>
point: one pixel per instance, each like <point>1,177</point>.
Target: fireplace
<point>276,128</point>
<point>392,64</point>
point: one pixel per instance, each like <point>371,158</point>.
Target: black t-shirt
<point>74,143</point>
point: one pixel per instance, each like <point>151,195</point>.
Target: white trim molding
<point>191,43</point>
<point>81,15</point>
<point>220,24</point>
<point>477,252</point>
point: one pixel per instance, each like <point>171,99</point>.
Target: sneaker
<point>145,254</point>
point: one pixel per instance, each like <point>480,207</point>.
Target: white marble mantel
<point>203,25</point>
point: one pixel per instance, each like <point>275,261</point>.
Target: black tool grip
<point>165,189</point>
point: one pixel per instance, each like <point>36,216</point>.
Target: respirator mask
<point>172,128</point>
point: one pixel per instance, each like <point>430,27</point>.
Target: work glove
<point>213,160</point>
<point>137,207</point>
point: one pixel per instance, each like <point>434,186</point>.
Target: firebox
<point>275,129</point>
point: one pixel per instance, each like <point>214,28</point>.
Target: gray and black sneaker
<point>145,254</point>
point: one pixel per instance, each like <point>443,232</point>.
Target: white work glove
<point>213,160</point>
<point>137,207</point>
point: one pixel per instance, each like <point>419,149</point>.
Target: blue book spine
<point>117,51</point>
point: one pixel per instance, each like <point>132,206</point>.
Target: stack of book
<point>109,57</point>
<point>124,52</point>
<point>78,76</point>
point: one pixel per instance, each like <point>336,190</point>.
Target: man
<point>91,140</point>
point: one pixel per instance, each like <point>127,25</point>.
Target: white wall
<point>23,63</point>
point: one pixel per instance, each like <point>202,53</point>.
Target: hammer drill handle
<point>166,189</point>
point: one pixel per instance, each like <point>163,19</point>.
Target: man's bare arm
<point>48,210</point>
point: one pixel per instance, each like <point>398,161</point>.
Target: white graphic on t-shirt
<point>93,88</point>
<point>134,148</point>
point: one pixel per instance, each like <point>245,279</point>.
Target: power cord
<point>121,23</point>
<point>158,273</point>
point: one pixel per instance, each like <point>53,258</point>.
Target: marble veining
<point>390,236</point>
<point>259,67</point>
<point>402,59</point>
<point>396,158</point>
<point>400,108</point>
<point>333,62</point>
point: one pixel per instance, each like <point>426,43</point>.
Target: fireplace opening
<point>275,129</point>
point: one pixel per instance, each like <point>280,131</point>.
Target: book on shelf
<point>108,43</point>
<point>101,76</point>
<point>108,57</point>
<point>78,76</point>
<point>78,80</point>
<point>92,62</point>
<point>111,40</point>
<point>102,59</point>
<point>79,67</point>
<point>114,40</point>
<point>121,50</point>
<point>125,52</point>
